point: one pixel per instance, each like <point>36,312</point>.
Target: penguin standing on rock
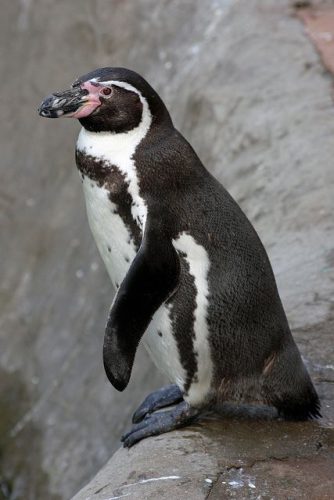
<point>192,277</point>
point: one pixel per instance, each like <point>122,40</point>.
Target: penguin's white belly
<point>117,249</point>
<point>113,239</point>
<point>160,343</point>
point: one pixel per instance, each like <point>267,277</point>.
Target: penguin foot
<point>160,422</point>
<point>165,396</point>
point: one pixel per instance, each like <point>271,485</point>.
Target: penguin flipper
<point>151,279</point>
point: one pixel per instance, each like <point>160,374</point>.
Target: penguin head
<point>108,100</point>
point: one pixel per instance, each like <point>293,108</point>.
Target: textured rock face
<point>221,460</point>
<point>248,90</point>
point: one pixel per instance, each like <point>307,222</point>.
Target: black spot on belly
<point>88,166</point>
<point>160,334</point>
<point>183,319</point>
<point>112,179</point>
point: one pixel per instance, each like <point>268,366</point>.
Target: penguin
<point>193,280</point>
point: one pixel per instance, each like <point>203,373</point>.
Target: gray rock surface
<point>220,459</point>
<point>247,88</point>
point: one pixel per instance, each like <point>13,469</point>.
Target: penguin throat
<point>105,145</point>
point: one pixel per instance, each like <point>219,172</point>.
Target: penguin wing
<point>151,279</point>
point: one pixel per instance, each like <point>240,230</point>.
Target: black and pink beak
<point>77,102</point>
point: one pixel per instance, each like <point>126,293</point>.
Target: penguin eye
<point>106,91</point>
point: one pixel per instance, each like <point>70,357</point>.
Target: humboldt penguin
<point>193,279</point>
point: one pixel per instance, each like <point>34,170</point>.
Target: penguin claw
<point>159,423</point>
<point>166,396</point>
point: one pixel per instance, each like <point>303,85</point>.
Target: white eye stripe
<point>117,83</point>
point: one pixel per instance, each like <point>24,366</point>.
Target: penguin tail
<point>304,406</point>
<point>288,386</point>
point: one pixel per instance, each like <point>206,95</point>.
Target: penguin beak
<point>77,102</point>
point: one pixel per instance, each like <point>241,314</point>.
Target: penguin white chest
<point>113,238</point>
<point>117,249</point>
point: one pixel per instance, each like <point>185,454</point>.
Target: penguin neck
<point>109,146</point>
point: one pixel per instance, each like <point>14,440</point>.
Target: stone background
<point>247,88</point>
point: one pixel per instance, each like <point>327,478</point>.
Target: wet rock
<point>291,478</point>
<point>225,458</point>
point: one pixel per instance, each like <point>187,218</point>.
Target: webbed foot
<point>166,396</point>
<point>160,422</point>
